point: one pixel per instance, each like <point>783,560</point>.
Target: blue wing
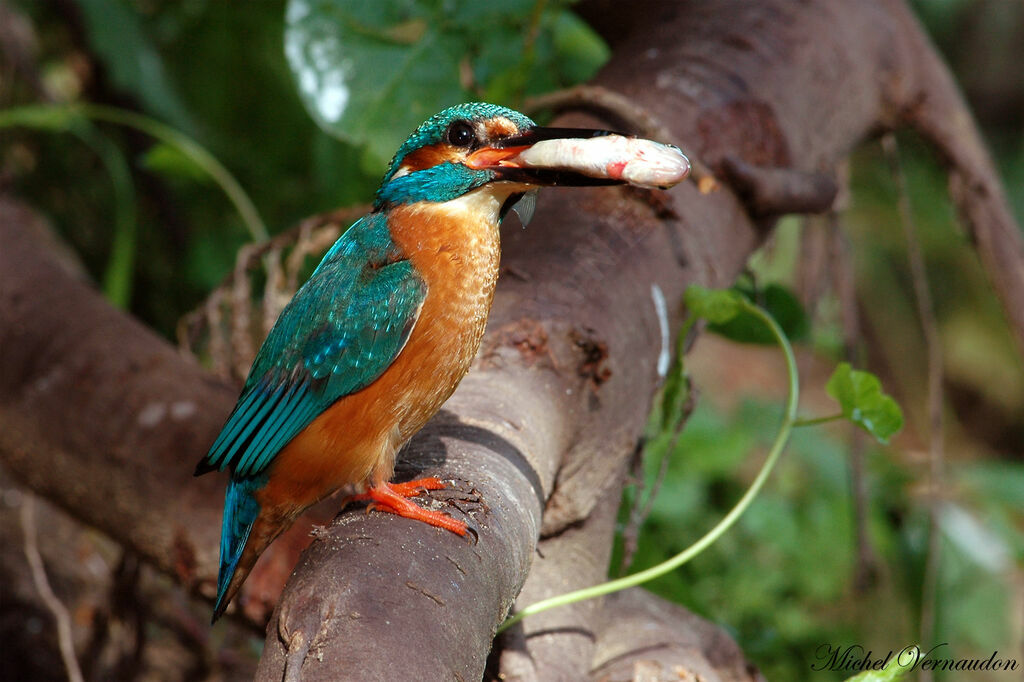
<point>342,329</point>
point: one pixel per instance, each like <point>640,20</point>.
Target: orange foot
<point>391,497</point>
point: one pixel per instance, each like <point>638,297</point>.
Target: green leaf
<point>780,303</point>
<point>717,306</point>
<point>860,396</point>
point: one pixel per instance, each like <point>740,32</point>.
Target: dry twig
<point>222,328</point>
<point>57,608</point>
<point>933,347</point>
<point>866,569</point>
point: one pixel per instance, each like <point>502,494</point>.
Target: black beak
<point>505,150</point>
<point>536,134</point>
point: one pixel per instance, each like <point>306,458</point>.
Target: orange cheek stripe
<point>428,157</point>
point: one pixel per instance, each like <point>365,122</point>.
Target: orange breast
<point>454,247</point>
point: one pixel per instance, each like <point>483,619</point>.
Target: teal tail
<point>240,513</point>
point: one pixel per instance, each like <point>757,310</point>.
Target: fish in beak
<point>577,157</point>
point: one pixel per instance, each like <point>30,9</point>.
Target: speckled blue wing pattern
<point>340,332</point>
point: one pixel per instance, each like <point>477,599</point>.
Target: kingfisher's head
<point>473,147</point>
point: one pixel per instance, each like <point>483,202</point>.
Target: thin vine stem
<point>814,421</point>
<point>48,115</point>
<point>781,438</point>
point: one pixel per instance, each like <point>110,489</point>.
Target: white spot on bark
<point>44,382</point>
<point>152,414</point>
<point>183,409</point>
<point>97,566</point>
<point>664,356</point>
<point>13,497</point>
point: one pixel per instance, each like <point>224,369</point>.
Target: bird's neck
<point>453,239</point>
<point>459,222</point>
<point>454,247</point>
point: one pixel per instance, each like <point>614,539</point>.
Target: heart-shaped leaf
<point>862,401</point>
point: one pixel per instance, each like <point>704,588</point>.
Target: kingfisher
<point>377,339</point>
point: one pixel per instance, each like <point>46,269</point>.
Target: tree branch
<point>100,415</point>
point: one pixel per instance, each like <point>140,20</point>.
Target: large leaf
<point>370,72</point>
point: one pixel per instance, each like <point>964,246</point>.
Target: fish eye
<point>460,134</point>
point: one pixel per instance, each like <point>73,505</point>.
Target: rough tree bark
<point>770,96</point>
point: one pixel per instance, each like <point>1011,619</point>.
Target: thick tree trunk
<point>107,420</point>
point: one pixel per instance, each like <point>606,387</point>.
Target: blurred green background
<point>159,235</point>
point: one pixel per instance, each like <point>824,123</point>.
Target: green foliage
<point>676,392</point>
<point>118,272</point>
<point>779,302</point>
<point>757,578</point>
<point>780,581</point>
<point>117,35</point>
<point>859,393</point>
<point>786,610</point>
<point>369,73</point>
<point>861,398</point>
<point>726,316</point>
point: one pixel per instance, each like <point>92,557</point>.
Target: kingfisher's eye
<point>461,134</point>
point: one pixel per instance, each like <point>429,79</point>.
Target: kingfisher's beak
<point>578,156</point>
<point>506,159</point>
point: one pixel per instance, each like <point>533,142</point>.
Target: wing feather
<point>340,332</point>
